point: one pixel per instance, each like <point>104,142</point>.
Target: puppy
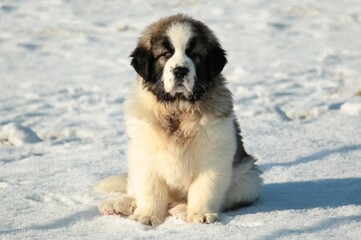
<point>185,151</point>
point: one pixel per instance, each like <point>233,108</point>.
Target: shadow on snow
<point>326,193</point>
<point>60,223</point>
<point>314,157</point>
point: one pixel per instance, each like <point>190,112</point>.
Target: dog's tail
<point>112,184</point>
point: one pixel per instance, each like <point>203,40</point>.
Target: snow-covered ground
<point>295,71</point>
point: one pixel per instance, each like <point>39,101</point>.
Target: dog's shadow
<point>327,193</point>
<point>308,194</point>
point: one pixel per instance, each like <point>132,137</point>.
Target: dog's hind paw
<point>124,206</point>
<point>179,211</point>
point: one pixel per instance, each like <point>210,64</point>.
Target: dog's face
<point>178,57</point>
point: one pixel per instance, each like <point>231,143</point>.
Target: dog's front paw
<point>202,218</point>
<point>125,206</point>
<point>147,220</point>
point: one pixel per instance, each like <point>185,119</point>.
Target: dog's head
<point>178,57</point>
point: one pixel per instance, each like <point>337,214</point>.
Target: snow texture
<point>295,72</point>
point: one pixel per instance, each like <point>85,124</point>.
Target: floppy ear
<point>142,62</point>
<point>216,60</point>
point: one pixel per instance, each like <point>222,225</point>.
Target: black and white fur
<point>185,152</point>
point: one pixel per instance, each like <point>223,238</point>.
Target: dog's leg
<point>206,195</point>
<point>152,200</point>
<point>245,186</point>
<point>124,206</point>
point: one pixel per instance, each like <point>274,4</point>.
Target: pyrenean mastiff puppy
<point>185,152</point>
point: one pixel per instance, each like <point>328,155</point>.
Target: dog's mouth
<point>179,88</point>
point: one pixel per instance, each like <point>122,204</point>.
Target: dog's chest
<point>177,166</point>
<point>180,128</point>
<point>178,160</point>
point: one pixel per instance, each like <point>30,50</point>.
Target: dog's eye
<point>167,55</point>
<point>191,54</point>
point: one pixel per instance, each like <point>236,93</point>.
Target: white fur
<point>162,170</point>
<point>112,184</point>
<point>179,35</point>
<point>200,171</point>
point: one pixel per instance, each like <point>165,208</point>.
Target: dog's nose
<point>180,72</point>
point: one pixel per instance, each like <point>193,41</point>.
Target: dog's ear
<point>142,62</point>
<point>216,60</point>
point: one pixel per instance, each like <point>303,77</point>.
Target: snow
<point>294,68</point>
<point>17,135</point>
<point>351,108</point>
